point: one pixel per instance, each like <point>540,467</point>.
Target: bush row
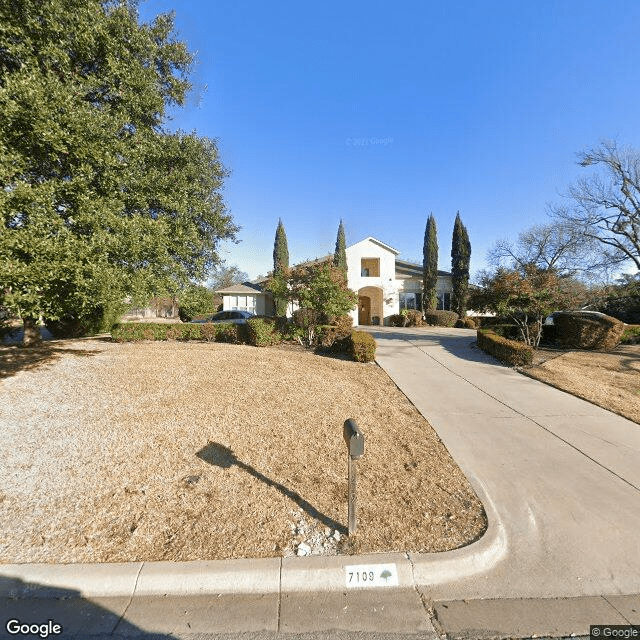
<point>259,332</point>
<point>507,351</point>
<point>412,318</point>
<point>134,331</point>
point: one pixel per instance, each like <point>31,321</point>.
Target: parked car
<point>549,320</point>
<point>235,317</point>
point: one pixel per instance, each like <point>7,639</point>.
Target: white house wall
<point>386,280</point>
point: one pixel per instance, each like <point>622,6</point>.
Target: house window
<point>407,301</point>
<point>410,301</point>
<point>370,267</point>
<point>242,303</point>
<point>444,301</point>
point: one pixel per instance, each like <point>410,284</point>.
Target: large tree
<point>460,261</point>
<point>340,254</point>
<point>98,200</point>
<point>606,205</point>
<point>557,246</point>
<point>280,268</point>
<point>430,265</point>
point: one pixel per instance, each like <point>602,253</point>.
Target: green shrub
<point>362,347</point>
<point>578,330</point>
<point>469,323</point>
<point>507,351</point>
<point>227,332</point>
<point>631,334</point>
<point>441,318</point>
<point>262,332</point>
<point>397,320</point>
<point>190,332</point>
<point>100,319</point>
<point>135,331</point>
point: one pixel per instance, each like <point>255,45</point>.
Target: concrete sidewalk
<point>558,477</point>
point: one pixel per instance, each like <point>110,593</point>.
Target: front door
<point>364,310</point>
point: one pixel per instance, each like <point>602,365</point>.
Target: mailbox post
<point>355,447</point>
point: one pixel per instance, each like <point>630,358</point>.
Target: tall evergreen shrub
<point>460,260</point>
<point>430,265</point>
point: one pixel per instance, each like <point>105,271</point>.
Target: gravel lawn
<point>610,380</point>
<point>197,451</point>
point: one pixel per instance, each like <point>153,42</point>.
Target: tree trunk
<point>31,336</point>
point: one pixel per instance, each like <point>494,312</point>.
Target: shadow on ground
<point>223,457</point>
<point>14,358</point>
<point>32,603</point>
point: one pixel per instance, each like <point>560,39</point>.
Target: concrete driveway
<point>562,474</point>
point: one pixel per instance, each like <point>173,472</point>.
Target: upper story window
<point>370,267</point>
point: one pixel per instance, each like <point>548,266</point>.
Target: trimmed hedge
<point>136,331</point>
<point>362,346</point>
<point>396,320</point>
<point>441,318</point>
<point>262,332</point>
<point>507,351</point>
<point>584,331</point>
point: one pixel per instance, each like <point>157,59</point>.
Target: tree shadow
<point>14,358</point>
<point>34,603</point>
<point>220,456</point>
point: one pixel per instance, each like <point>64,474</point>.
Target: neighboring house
<point>157,308</point>
<point>247,296</point>
<point>384,284</point>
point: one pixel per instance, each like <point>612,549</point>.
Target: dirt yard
<point>610,380</point>
<point>186,451</point>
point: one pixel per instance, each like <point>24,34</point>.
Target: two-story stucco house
<point>384,284</point>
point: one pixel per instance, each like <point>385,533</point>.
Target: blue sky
<point>381,113</point>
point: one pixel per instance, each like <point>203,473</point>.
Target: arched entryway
<point>370,306</point>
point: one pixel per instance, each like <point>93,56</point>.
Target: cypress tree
<point>340,255</point>
<point>430,265</point>
<point>280,264</point>
<point>460,260</point>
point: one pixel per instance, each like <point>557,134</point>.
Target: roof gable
<point>378,242</point>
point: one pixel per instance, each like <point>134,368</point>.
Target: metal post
<point>355,449</point>
<point>352,496</point>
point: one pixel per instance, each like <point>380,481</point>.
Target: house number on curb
<point>371,575</point>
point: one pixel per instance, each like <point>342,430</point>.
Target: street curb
<point>246,576</point>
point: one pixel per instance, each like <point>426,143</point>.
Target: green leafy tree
<point>460,261</point>
<point>430,266</point>
<point>319,287</point>
<point>340,255</point>
<point>195,300</point>
<point>280,266</point>
<point>327,292</point>
<point>98,200</point>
